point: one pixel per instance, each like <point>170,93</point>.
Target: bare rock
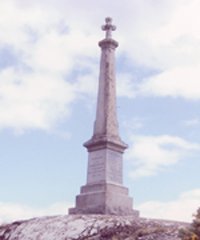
<point>91,227</point>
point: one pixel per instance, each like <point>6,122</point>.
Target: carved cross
<point>108,27</point>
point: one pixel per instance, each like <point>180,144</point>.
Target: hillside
<point>90,227</point>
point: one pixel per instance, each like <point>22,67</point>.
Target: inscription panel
<point>114,167</point>
<point>104,165</point>
<point>96,166</point>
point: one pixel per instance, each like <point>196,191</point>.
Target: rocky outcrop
<point>90,227</point>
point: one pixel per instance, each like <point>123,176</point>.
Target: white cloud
<point>49,41</point>
<point>172,46</point>
<point>178,82</point>
<point>33,100</point>
<point>169,41</point>
<point>125,85</point>
<point>37,91</point>
<point>12,211</point>
<point>133,124</point>
<point>170,37</point>
<point>151,154</point>
<point>180,209</point>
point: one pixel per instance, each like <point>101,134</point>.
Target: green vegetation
<point>193,232</point>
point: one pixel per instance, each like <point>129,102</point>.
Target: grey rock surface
<point>91,227</point>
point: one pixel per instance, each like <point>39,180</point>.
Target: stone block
<point>107,199</point>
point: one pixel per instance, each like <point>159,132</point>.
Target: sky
<point>49,66</point>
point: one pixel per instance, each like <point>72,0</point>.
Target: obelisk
<point>104,192</point>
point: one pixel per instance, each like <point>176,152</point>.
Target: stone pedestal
<point>103,198</point>
<point>104,192</point>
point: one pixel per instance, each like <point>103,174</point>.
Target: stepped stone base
<point>104,198</point>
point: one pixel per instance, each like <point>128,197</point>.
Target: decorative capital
<point>108,27</point>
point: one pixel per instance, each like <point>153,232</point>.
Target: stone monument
<point>104,192</point>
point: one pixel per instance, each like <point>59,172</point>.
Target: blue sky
<point>49,68</point>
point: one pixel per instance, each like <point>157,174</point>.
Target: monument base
<point>104,198</point>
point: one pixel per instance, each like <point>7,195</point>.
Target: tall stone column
<point>106,118</point>
<point>104,192</point>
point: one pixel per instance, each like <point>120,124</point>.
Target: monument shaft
<point>104,192</point>
<point>106,117</point>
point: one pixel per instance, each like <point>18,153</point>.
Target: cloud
<point>125,85</point>
<point>33,100</point>
<point>36,91</point>
<point>177,82</point>
<point>181,209</point>
<point>171,46</point>
<point>169,43</point>
<point>50,48</point>
<point>152,154</point>
<point>133,124</point>
<point>170,38</point>
<point>13,211</point>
